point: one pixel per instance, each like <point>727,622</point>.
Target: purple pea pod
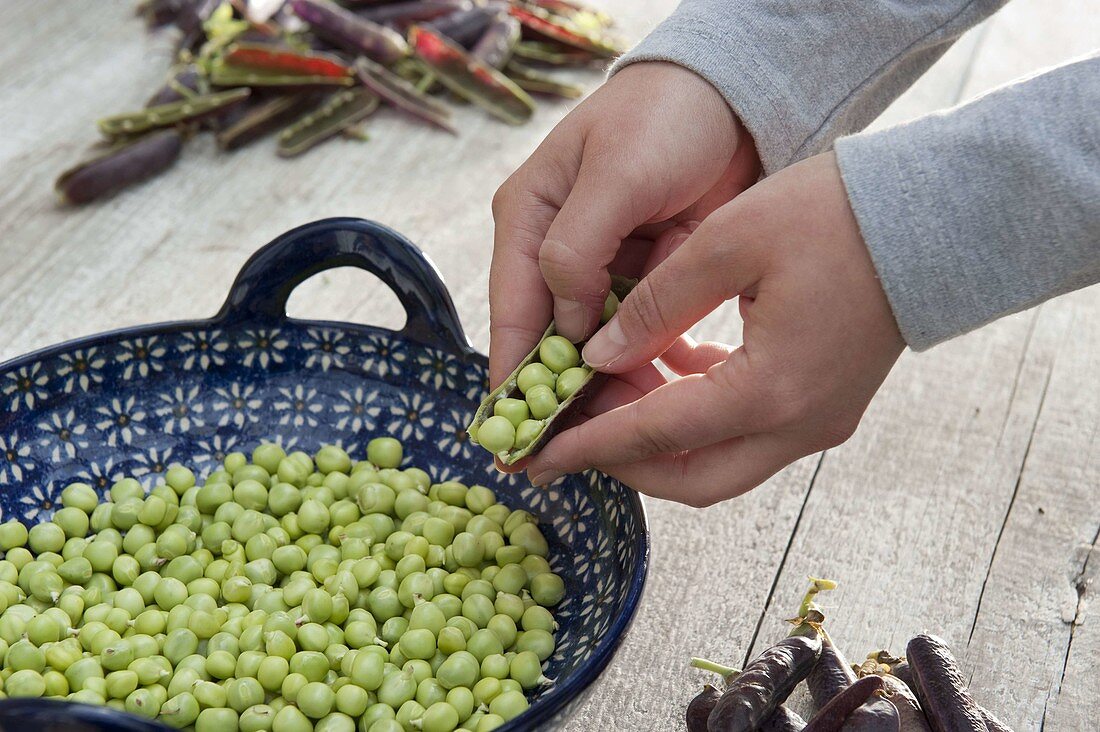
<point>265,117</point>
<point>531,80</point>
<point>412,11</point>
<point>347,30</point>
<point>494,48</point>
<point>401,94</point>
<point>120,166</point>
<point>833,715</point>
<point>941,687</point>
<point>341,111</point>
<point>466,26</point>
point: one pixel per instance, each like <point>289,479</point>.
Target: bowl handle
<point>262,288</point>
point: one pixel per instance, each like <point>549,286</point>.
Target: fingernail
<point>607,346</point>
<point>545,477</point>
<point>569,318</point>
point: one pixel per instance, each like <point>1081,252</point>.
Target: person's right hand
<point>656,146</point>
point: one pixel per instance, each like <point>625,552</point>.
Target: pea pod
<point>833,715</point>
<point>469,78</point>
<point>560,29</point>
<point>222,74</point>
<point>341,111</point>
<point>764,684</point>
<point>531,80</point>
<point>402,94</point>
<point>495,45</point>
<point>941,688</point>
<point>412,11</point>
<point>699,708</point>
<point>272,58</point>
<point>166,115</point>
<point>566,407</point>
<point>898,709</point>
<point>263,118</point>
<point>120,166</point>
<point>464,27</point>
<point>552,54</point>
<point>347,30</point>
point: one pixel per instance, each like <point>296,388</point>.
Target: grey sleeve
<point>800,73</point>
<point>986,209</point>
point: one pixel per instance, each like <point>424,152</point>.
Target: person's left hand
<point>819,339</point>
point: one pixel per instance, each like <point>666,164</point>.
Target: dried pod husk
<point>347,30</point>
<point>401,94</point>
<point>568,407</point>
<point>529,79</point>
<point>495,45</point>
<point>166,115</point>
<point>764,684</point>
<point>266,117</point>
<point>342,110</point>
<point>941,688</point>
<point>558,28</point>
<point>412,11</point>
<point>469,78</point>
<point>266,57</point>
<point>120,166</point>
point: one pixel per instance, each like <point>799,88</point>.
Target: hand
<point>655,145</point>
<point>819,338</point>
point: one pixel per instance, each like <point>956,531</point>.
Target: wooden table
<point>965,505</point>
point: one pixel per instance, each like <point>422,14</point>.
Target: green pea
<point>221,664</point>
<point>72,521</point>
<point>291,719</point>
<point>558,353</point>
<point>538,618</point>
<point>243,693</point>
<point>484,643</point>
<point>541,401</point>
<point>495,666</point>
<point>386,725</point>
<point>490,722</point>
<point>335,722</point>
<point>569,381</point>
<point>547,589</point>
<point>268,455</point>
<point>534,374</point>
<point>180,711</point>
<point>538,641</point>
<point>13,534</point>
<point>526,668</point>
<point>316,699</point>
<point>509,705</point>
<point>46,537</point>
<point>120,684</point>
<point>460,669</point>
<point>25,683</point>
<point>385,452</point>
<point>216,720</point>
<point>514,410</point>
<point>528,536</point>
<point>258,718</point>
<point>496,434</point>
<point>486,689</point>
<point>439,717</point>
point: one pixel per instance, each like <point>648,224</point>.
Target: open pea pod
<point>266,57</point>
<point>469,78</point>
<point>562,30</point>
<point>552,54</point>
<point>531,80</point>
<point>402,94</point>
<point>166,115</point>
<point>223,74</point>
<point>343,110</point>
<point>534,432</point>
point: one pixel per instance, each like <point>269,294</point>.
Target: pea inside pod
<point>537,399</point>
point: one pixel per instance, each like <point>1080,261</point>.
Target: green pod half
<point>165,115</point>
<point>621,286</point>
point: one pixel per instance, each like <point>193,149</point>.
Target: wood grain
<point>930,516</point>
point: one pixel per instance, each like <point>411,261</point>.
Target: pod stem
<point>816,585</point>
<point>726,672</point>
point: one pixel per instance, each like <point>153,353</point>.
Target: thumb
<point>711,266</point>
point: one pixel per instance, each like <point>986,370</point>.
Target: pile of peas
<point>554,375</point>
<point>290,593</point>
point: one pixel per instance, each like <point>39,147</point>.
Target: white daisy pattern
<point>181,409</point>
<point>15,459</point>
<point>38,500</point>
<point>326,348</point>
<point>215,449</point>
<point>437,369</point>
<point>203,349</point>
<point>81,369</point>
<point>101,475</point>
<point>151,463</point>
<point>263,347</point>
<point>298,407</point>
<point>25,386</point>
<point>122,419</point>
<point>141,356</point>
<point>453,439</point>
<point>357,409</point>
<point>411,417</point>
<point>382,356</point>
<point>237,405</point>
<point>63,435</point>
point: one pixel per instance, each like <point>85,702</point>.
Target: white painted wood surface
<point>965,505</point>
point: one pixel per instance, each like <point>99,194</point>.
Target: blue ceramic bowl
<point>133,401</point>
